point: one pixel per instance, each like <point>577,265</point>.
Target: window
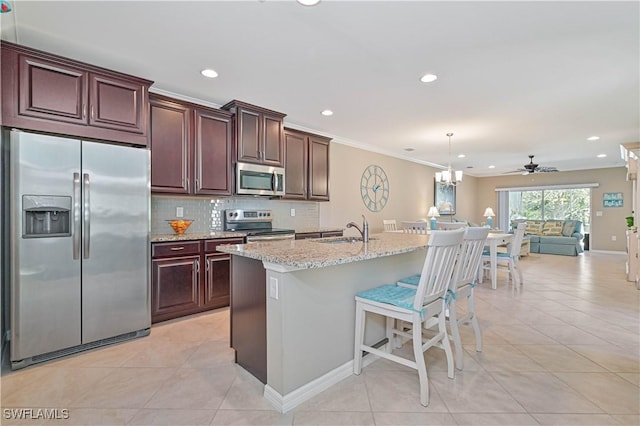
<point>544,204</point>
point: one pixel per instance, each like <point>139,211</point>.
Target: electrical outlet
<point>293,212</point>
<point>598,213</point>
<point>273,288</point>
<point>179,211</point>
<point>614,238</point>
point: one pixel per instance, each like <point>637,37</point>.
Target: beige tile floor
<point>563,349</point>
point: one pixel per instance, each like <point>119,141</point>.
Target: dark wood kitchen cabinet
<point>49,93</point>
<point>175,278</point>
<point>259,134</point>
<point>191,148</point>
<point>306,165</point>
<point>189,277</point>
<point>326,234</point>
<point>217,273</point>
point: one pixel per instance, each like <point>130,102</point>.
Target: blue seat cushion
<point>402,297</point>
<point>412,280</point>
<point>499,254</point>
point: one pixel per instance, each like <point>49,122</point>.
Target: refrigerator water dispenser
<point>46,216</point>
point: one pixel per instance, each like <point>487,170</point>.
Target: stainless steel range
<point>256,224</point>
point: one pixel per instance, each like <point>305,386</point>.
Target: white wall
<point>411,189</point>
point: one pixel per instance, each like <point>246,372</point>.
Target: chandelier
<point>449,177</point>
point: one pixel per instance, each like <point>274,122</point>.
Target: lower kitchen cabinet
<point>307,235</point>
<point>189,277</point>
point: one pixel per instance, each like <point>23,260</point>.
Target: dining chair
<point>511,258</point>
<point>462,285</point>
<point>416,306</point>
<point>450,225</point>
<point>415,227</point>
<point>390,225</point>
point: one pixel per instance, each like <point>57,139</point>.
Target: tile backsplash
<point>207,213</point>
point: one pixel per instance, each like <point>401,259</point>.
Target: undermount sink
<point>342,240</point>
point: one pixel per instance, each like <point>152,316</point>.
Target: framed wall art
<point>445,198</point>
<point>612,199</point>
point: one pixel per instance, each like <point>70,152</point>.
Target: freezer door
<point>115,251</point>
<point>45,278</point>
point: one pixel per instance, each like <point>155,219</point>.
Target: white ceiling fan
<point>532,167</point>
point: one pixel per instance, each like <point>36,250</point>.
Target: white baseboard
<point>608,251</point>
<point>305,392</point>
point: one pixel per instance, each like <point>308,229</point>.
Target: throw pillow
<point>553,228</point>
<point>534,227</point>
<point>569,227</point>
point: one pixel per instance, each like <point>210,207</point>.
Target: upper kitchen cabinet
<point>46,92</point>
<point>259,134</point>
<point>306,165</point>
<point>190,148</point>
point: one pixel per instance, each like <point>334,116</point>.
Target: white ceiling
<point>514,78</point>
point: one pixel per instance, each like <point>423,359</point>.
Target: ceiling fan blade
<point>543,169</point>
<point>514,171</point>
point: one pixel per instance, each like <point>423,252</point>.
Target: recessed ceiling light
<point>593,138</point>
<point>461,155</point>
<point>327,112</point>
<point>428,78</point>
<point>492,166</point>
<point>601,155</point>
<point>308,2</point>
<point>209,73</point>
<point>409,149</point>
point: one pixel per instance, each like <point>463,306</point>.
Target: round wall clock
<point>374,188</point>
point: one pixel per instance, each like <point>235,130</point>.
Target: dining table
<point>494,239</point>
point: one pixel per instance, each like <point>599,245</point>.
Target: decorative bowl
<point>180,225</point>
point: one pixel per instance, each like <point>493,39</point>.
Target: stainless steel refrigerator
<point>79,225</point>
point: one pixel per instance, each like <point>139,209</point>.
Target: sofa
<point>553,236</point>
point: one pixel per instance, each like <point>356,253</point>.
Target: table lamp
<point>489,214</point>
<point>433,213</point>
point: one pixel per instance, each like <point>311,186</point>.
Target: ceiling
<point>514,78</point>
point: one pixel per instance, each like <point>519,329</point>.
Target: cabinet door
<point>295,164</point>
<point>272,144</point>
<point>117,104</point>
<point>217,279</point>
<point>213,144</point>
<point>249,140</point>
<point>52,91</point>
<point>170,150</point>
<point>318,168</point>
<point>175,287</point>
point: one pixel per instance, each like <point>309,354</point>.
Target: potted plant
<point>629,220</point>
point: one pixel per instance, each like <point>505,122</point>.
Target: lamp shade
<point>433,212</point>
<point>489,212</point>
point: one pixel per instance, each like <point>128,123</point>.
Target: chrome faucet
<point>364,231</point>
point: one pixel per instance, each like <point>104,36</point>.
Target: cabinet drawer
<point>211,245</point>
<point>307,235</point>
<point>332,234</point>
<point>175,249</point>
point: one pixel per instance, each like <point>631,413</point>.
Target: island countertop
<point>319,253</point>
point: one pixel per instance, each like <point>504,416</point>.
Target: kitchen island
<point>293,308</point>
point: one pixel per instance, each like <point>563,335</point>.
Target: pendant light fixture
<point>449,177</point>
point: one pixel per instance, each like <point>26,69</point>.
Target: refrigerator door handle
<point>76,216</point>
<point>86,218</point>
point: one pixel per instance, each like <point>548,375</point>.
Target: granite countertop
<point>196,236</point>
<point>312,253</point>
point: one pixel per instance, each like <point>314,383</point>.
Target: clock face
<point>374,188</point>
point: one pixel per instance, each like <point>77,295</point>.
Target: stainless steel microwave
<point>257,179</point>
